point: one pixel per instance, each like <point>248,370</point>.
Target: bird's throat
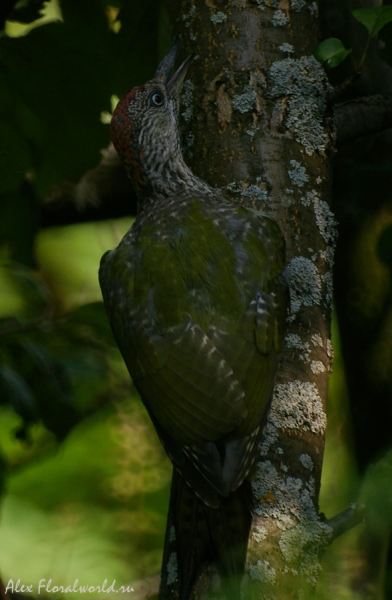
<point>171,178</point>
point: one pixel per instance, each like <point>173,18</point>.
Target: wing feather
<point>207,385</point>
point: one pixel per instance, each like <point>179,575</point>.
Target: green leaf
<point>93,316</point>
<point>374,19</point>
<point>51,386</point>
<point>331,52</point>
<point>55,82</point>
<point>17,393</point>
<point>26,12</point>
<point>33,289</point>
<point>376,494</point>
<point>4,470</point>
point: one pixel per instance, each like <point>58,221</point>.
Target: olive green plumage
<point>197,300</point>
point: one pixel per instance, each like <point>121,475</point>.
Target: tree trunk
<point>257,125</point>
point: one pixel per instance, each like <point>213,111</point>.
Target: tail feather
<point>206,536</point>
<point>229,527</point>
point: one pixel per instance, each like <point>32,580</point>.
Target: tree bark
<point>257,125</point>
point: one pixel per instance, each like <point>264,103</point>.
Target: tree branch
<point>346,520</point>
<point>362,116</point>
<point>105,192</point>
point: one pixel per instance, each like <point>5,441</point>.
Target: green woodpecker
<point>197,300</point>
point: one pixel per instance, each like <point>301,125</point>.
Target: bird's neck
<point>177,178</point>
<point>167,178</point>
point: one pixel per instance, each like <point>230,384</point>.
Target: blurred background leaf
<point>86,480</point>
<point>101,497</point>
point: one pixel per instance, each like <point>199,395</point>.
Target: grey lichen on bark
<point>257,125</point>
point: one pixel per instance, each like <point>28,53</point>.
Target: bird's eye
<point>157,99</point>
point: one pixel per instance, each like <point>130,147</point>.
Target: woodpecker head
<point>144,127</point>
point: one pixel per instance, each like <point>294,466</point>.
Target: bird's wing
<point>189,389</point>
<point>188,385</point>
<point>207,392</point>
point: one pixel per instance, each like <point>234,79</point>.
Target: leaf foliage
<point>55,82</point>
<point>331,52</point>
<point>374,19</point>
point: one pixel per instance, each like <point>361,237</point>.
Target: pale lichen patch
<point>172,534</point>
<point>284,499</point>
<point>304,83</point>
<point>309,198</point>
<point>297,405</point>
<point>245,102</point>
<point>172,568</point>
<point>284,522</point>
<point>306,461</point>
<point>259,534</point>
<point>317,367</point>
<point>287,48</point>
<point>298,174</point>
<point>303,544</point>
<point>263,571</point>
<point>252,194</point>
<point>297,5</point>
<point>305,283</point>
<point>277,495</point>
<point>325,220</point>
<point>219,17</point>
<point>294,341</point>
<point>253,191</point>
<point>279,19</point>
<point>328,255</point>
<point>317,340</point>
<point>270,436</point>
<point>289,502</point>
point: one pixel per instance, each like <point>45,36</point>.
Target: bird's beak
<point>173,85</point>
<point>163,71</point>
